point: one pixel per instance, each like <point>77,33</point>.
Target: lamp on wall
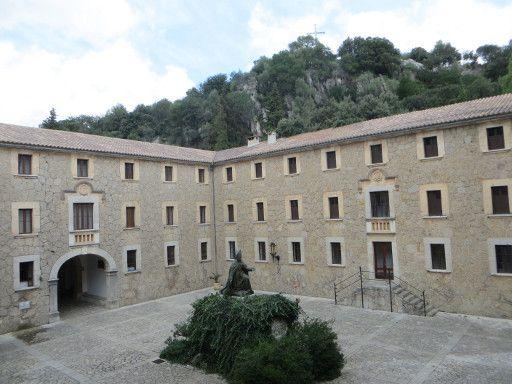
<point>273,253</point>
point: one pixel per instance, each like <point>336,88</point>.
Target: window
<point>202,214</point>
<point>296,252</point>
<point>83,216</point>
<point>258,170</point>
<point>294,210</point>
<point>262,251</point>
<point>231,213</point>
<point>495,138</point>
<point>130,217</point>
<point>24,164</point>
<point>82,167</point>
<point>26,278</point>
<point>260,211</point>
<point>437,253</point>
<point>169,173</point>
<point>503,258</point>
<point>379,204</point>
<point>169,214</point>
<point>435,207</point>
<point>334,209</point>
<point>171,255</point>
<point>201,175</point>
<point>430,146</point>
<point>204,250</point>
<point>131,260</point>
<point>25,221</point>
<point>292,165</point>
<point>500,201</point>
<point>128,171</point>
<point>232,249</point>
<point>336,253</point>
<point>229,174</point>
<point>330,158</point>
<point>376,153</point>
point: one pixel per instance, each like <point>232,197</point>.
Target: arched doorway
<point>84,275</point>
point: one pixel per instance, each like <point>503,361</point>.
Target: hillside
<point>306,88</point>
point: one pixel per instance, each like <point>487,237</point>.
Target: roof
<point>63,140</point>
<point>453,114</point>
<point>429,118</point>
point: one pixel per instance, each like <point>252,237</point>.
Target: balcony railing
<point>83,237</point>
<point>380,225</point>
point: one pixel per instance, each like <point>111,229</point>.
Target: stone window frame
<point>297,162</point>
<point>390,188</point>
<point>208,249</point>
<point>289,241</point>
<point>207,213</point>
<point>328,252</point>
<point>36,218</point>
<point>36,259</point>
<point>206,175</point>
<point>225,176</point>
<point>446,241</point>
<point>370,251</point>
<point>34,165</point>
<point>420,149</point>
<point>492,254</point>
<point>174,172</point>
<point>166,204</point>
<point>176,245</point>
<point>287,200</point>
<point>507,136</point>
<point>226,212</point>
<point>323,158</point>
<point>257,250</point>
<point>263,169</point>
<point>138,260</point>
<point>226,246</point>
<point>135,204</point>
<point>487,196</point>
<point>326,207</point>
<point>445,200</point>
<point>136,169</point>
<point>255,210</point>
<point>74,167</point>
<point>368,154</point>
<point>91,199</point>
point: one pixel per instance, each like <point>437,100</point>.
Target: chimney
<point>272,137</point>
<point>253,141</point>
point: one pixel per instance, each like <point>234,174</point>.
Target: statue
<point>238,283</point>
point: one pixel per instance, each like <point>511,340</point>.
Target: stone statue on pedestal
<point>238,283</point>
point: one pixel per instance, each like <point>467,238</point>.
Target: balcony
<point>380,225</point>
<point>87,237</point>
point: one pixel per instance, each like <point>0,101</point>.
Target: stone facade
<point>463,171</point>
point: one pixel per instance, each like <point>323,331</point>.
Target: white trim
<point>328,252</point>
<point>427,241</point>
<point>36,259</point>
<point>257,250</point>
<point>492,254</point>
<point>138,259</point>
<point>300,240</point>
<point>379,188</point>
<point>176,253</point>
<point>94,199</point>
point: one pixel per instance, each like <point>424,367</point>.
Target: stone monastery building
<point>424,197</point>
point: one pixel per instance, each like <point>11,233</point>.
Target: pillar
<point>53,286</point>
<point>111,282</point>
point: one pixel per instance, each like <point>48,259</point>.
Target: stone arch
<point>111,264</point>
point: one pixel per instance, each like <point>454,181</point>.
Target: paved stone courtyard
<point>93,345</point>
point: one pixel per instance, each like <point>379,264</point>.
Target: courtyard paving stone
<point>93,345</point>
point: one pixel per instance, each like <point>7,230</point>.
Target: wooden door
<point>383,257</point>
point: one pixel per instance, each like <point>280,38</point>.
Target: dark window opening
<point>430,146</point>
<point>334,210</point>
<point>258,170</point>
<point>24,164</point>
<point>171,255</point>
<point>262,250</point>
<point>292,165</point>
<point>296,252</point>
<point>376,153</point>
<point>336,253</point>
<point>437,253</point>
<point>500,202</point>
<point>231,213</point>
<point>202,214</point>
<point>25,221</point>
<point>380,204</point>
<point>130,217</point>
<point>82,168</point>
<point>83,216</point>
<point>169,214</point>
<point>100,263</point>
<point>232,249</point>
<point>435,205</point>
<point>128,171</point>
<point>27,273</point>
<point>229,174</point>
<point>204,250</point>
<point>169,173</point>
<point>260,211</point>
<point>131,260</point>
<point>504,258</point>
<point>330,159</point>
<point>294,209</point>
<point>495,138</point>
<point>200,175</point>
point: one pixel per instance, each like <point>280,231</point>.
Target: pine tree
<point>51,121</point>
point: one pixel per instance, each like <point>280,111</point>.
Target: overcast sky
<point>83,57</point>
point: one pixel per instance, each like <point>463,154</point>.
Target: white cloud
<point>93,21</point>
<point>34,80</point>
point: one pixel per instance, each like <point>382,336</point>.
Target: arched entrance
<point>86,274</point>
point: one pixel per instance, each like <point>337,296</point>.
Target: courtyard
<point>93,345</point>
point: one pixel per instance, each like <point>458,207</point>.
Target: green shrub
<point>284,361</point>
<point>320,341</point>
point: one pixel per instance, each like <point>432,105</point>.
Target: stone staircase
<point>413,302</point>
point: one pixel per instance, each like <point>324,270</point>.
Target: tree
<point>51,121</point>
<point>495,60</point>
<point>443,54</point>
<point>419,54</point>
<point>506,81</point>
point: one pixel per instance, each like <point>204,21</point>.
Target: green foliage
<point>51,121</point>
<point>221,326</point>
<point>506,81</point>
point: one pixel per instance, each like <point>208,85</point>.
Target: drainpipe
<point>214,218</point>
